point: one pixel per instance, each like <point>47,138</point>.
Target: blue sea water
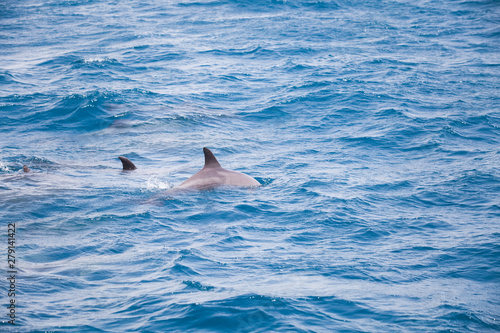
<point>373,127</point>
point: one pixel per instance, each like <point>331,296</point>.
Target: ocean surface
<point>373,127</point>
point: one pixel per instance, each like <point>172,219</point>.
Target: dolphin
<point>210,176</point>
<point>127,164</point>
<point>213,175</point>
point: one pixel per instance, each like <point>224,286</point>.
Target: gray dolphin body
<point>213,175</point>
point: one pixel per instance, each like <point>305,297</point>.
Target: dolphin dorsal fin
<point>127,164</point>
<point>210,160</point>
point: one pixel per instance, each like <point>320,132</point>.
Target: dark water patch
<point>59,253</point>
<point>100,275</point>
<point>390,186</point>
<point>117,247</point>
<point>238,314</point>
<point>259,6</point>
<point>273,113</point>
<point>195,4</point>
<point>335,312</point>
<point>265,181</point>
<point>456,192</point>
<point>197,285</point>
<point>218,215</point>
<point>235,241</point>
<point>322,5</point>
<point>79,113</point>
<point>305,237</point>
<point>427,224</point>
<point>369,235</point>
<point>392,114</point>
<point>13,83</point>
<point>292,67</point>
<point>81,328</point>
<point>60,61</point>
<point>252,52</point>
<point>464,319</point>
<point>18,107</point>
<point>368,141</point>
<point>181,270</point>
<point>482,256</point>
<point>36,162</point>
<point>254,209</point>
<point>431,198</point>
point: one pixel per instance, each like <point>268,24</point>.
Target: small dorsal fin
<point>26,169</point>
<point>210,160</point>
<point>127,164</point>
